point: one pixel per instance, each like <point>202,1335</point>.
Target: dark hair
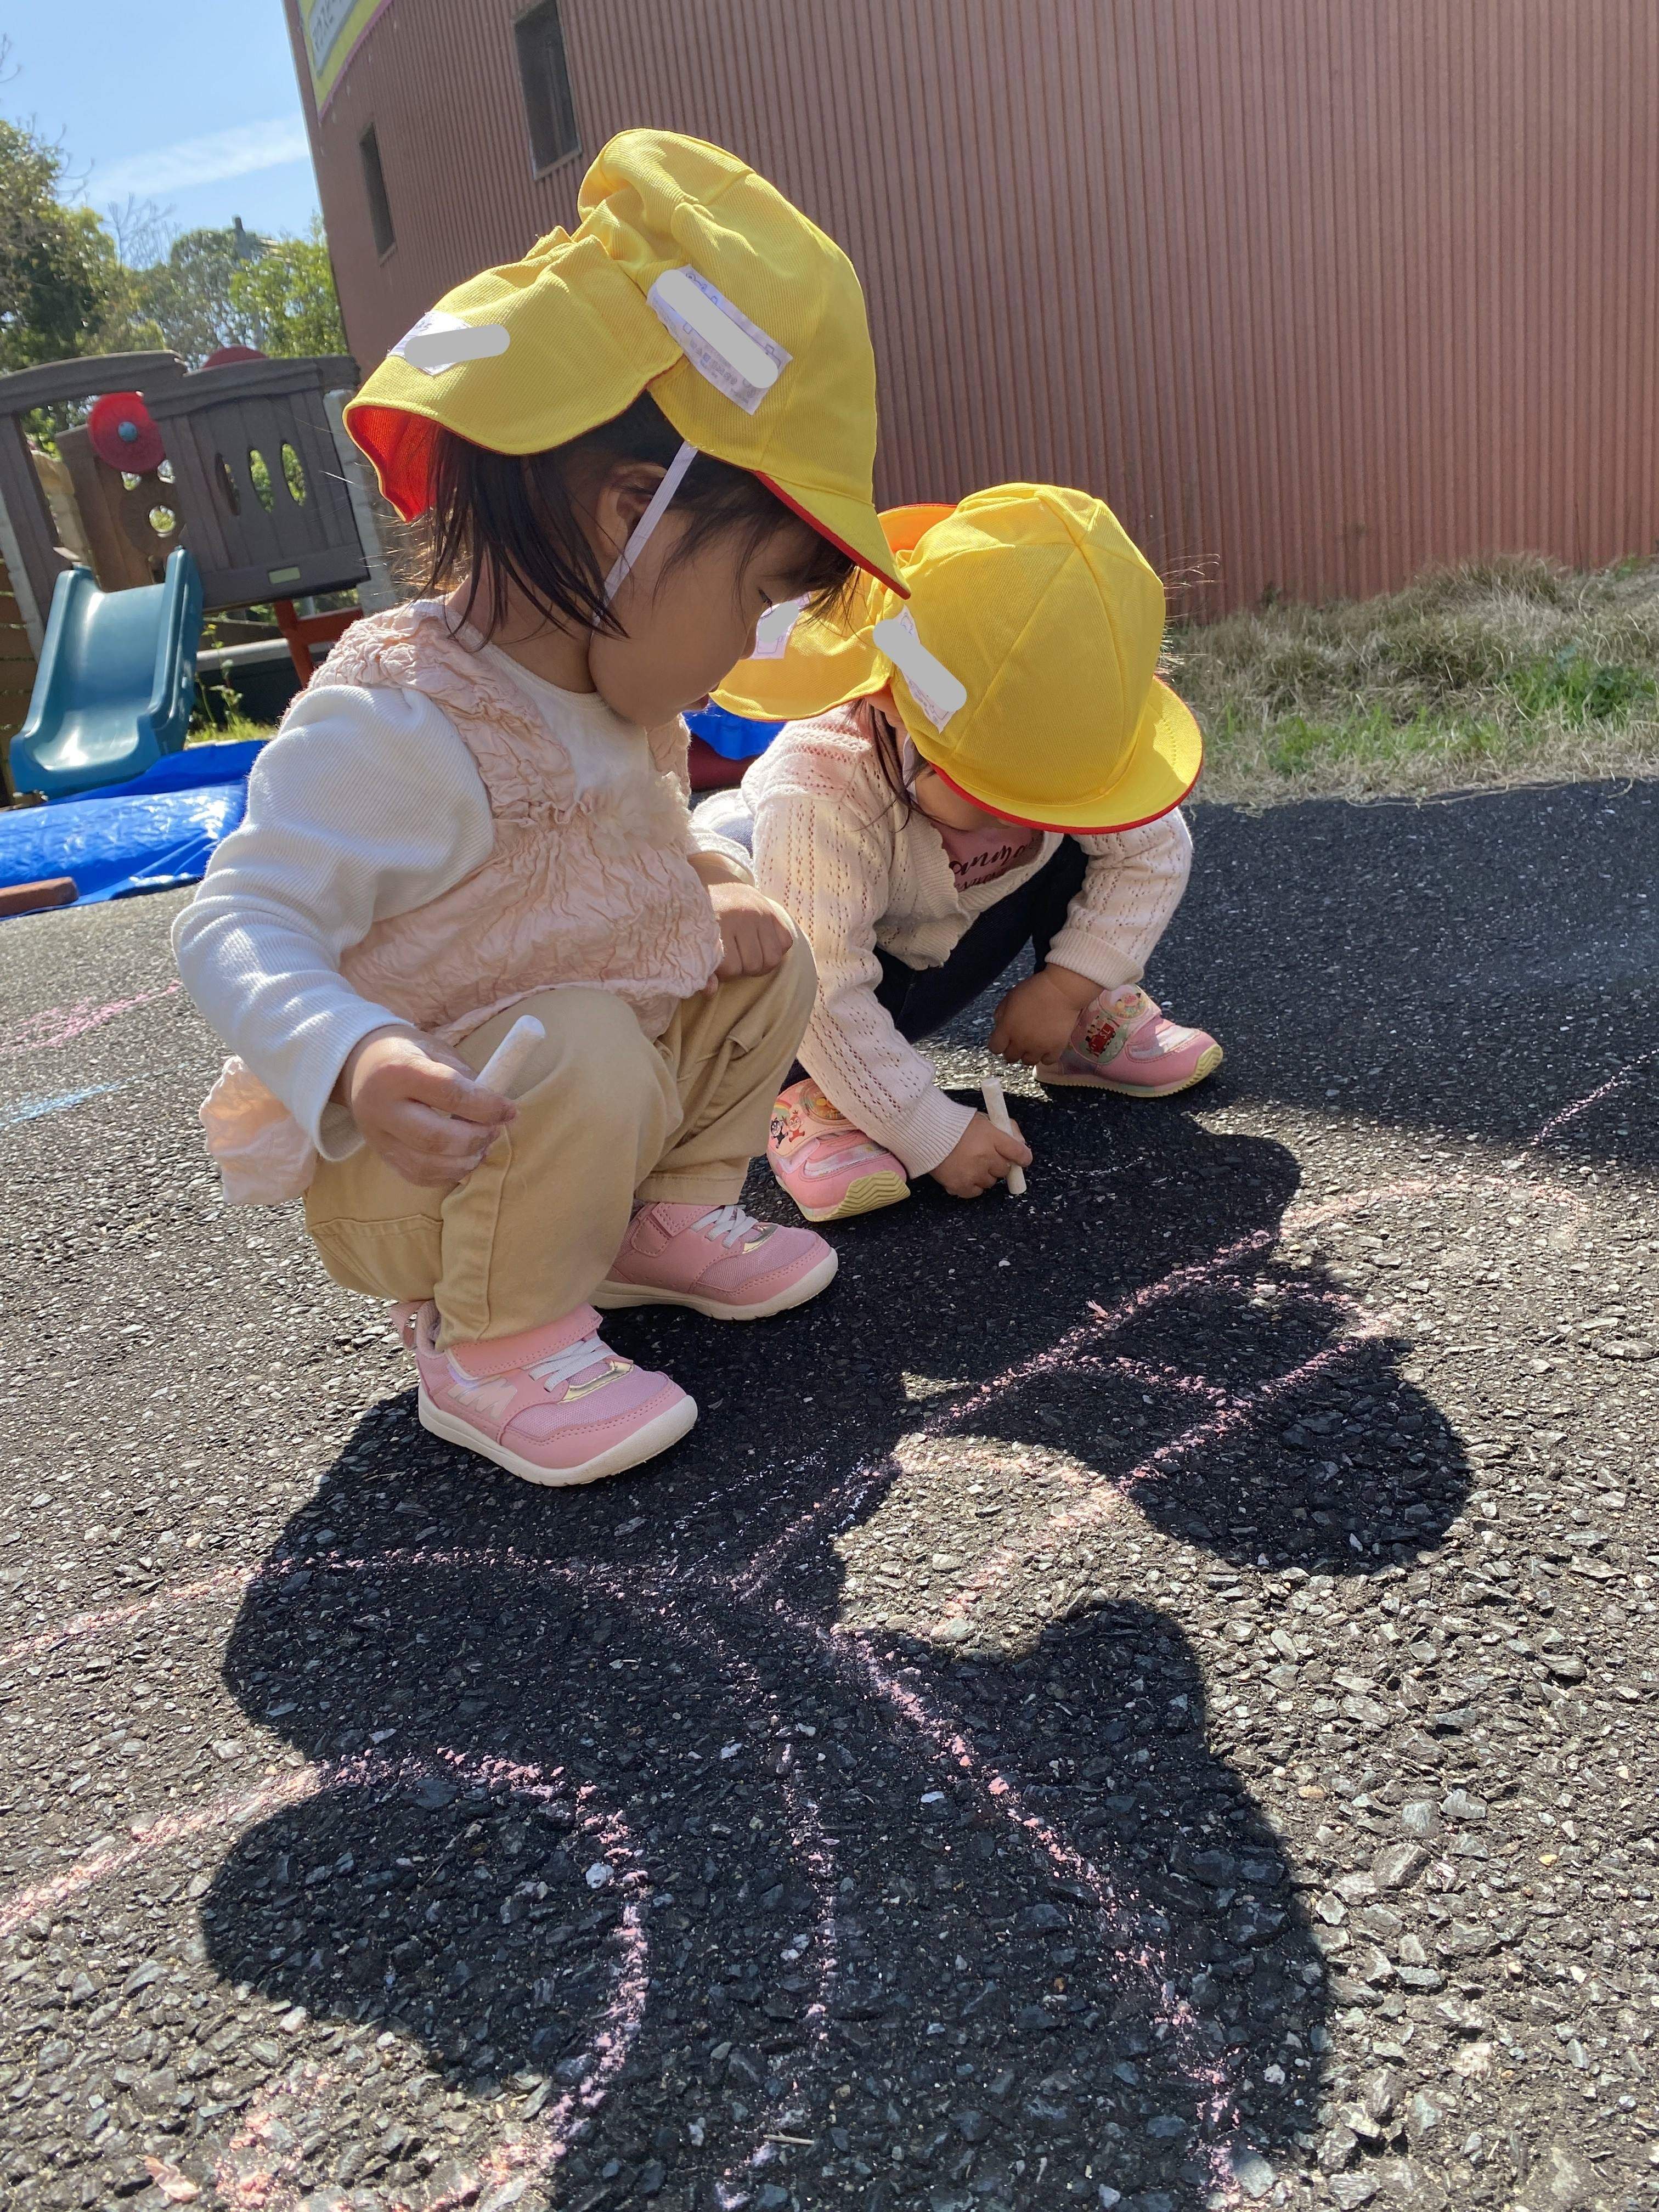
<point>497,519</point>
<point>886,744</point>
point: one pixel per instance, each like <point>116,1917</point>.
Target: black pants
<point>921,1000</point>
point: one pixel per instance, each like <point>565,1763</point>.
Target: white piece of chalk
<point>510,1054</point>
<point>997,1107</point>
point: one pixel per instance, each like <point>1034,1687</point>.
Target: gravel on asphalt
<point>1142,1696</point>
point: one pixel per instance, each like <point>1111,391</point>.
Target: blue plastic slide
<point>115,682</point>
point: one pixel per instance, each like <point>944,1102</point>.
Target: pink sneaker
<point>1122,1043</point>
<point>717,1259</point>
<point>555,1405</point>
<point>827,1167</point>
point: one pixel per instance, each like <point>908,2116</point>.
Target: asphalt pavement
<point>1142,1696</point>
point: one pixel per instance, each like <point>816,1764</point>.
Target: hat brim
<point>841,664</point>
<point>830,662</point>
<point>1163,767</point>
<point>397,441</point>
<point>850,525</point>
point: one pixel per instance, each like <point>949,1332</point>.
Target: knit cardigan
<point>833,847</point>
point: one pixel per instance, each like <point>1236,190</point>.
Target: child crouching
<point>480,812</point>
<point>995,766</point>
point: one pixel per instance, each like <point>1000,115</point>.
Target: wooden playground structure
<point>244,463</point>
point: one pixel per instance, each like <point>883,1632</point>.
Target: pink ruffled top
<point>575,889</point>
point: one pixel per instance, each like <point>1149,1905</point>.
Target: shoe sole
<point>1207,1064</point>
<point>609,1298</point>
<point>644,1443</point>
<point>866,1195</point>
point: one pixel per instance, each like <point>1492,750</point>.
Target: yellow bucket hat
<point>689,275</point>
<point>1025,668</point>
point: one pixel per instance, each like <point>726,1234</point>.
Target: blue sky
<point>191,103</point>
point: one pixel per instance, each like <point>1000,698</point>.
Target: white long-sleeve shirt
<point>831,845</point>
<point>367,803</point>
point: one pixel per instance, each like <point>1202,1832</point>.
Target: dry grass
<point>234,731</point>
<point>1501,672</point>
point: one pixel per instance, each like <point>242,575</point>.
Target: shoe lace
<point>565,1366</point>
<point>729,1225</point>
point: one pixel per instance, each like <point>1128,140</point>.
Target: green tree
<point>62,286</point>
<point>188,293</point>
<point>287,297</point>
<point>71,284</point>
<point>219,288</point>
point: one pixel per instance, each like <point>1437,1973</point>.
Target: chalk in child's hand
<point>997,1107</point>
<point>510,1054</point>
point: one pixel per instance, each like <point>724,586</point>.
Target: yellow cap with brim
<point>688,276</point>
<point>1025,668</point>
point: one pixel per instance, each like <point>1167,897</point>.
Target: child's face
<point>940,803</point>
<point>690,622</point>
<point>938,800</point>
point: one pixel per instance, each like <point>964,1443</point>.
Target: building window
<point>380,207</point>
<point>549,108</point>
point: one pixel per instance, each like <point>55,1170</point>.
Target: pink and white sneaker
<point>718,1260</point>
<point>830,1169</point>
<point>1122,1043</point>
<point>553,1405</point>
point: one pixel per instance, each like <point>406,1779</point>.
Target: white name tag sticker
<point>733,354</point>
<point>772,630</point>
<point>440,341</point>
<point>937,693</point>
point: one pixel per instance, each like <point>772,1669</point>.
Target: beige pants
<point>606,1120</point>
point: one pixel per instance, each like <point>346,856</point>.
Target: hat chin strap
<point>639,537</point>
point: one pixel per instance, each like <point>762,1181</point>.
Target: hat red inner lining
<point>840,543</point>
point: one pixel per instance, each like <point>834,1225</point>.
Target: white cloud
<point>208,160</point>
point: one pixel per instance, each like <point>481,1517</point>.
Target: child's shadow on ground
<point>853,1931</point>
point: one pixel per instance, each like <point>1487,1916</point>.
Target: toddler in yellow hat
<point>994,766</point>
<point>627,448</point>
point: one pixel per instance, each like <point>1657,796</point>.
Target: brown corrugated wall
<point>1316,292</point>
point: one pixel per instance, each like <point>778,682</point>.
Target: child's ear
<point>623,497</point>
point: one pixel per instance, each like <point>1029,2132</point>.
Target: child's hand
<point>754,934</point>
<point>981,1155</point>
<point>1035,1019</point>
<point>419,1108</point>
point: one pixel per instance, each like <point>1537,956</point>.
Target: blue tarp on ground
<point>730,735</point>
<point>149,835</point>
<point>160,829</point>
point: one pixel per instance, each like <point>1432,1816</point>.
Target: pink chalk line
<point>1100,1496</point>
<point>1120,1911</point>
<point>56,1025</point>
<point>1085,1335</point>
<point>533,2154</point>
<point>1557,1122</point>
<point>806,1835</point>
<point>1297,1218</point>
<point>810,1846</point>
<point>844,1500</point>
<point>1153,1375</point>
<point>546,2144</point>
<point>80,1625</point>
<point>227,1813</point>
<point>232,1581</point>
